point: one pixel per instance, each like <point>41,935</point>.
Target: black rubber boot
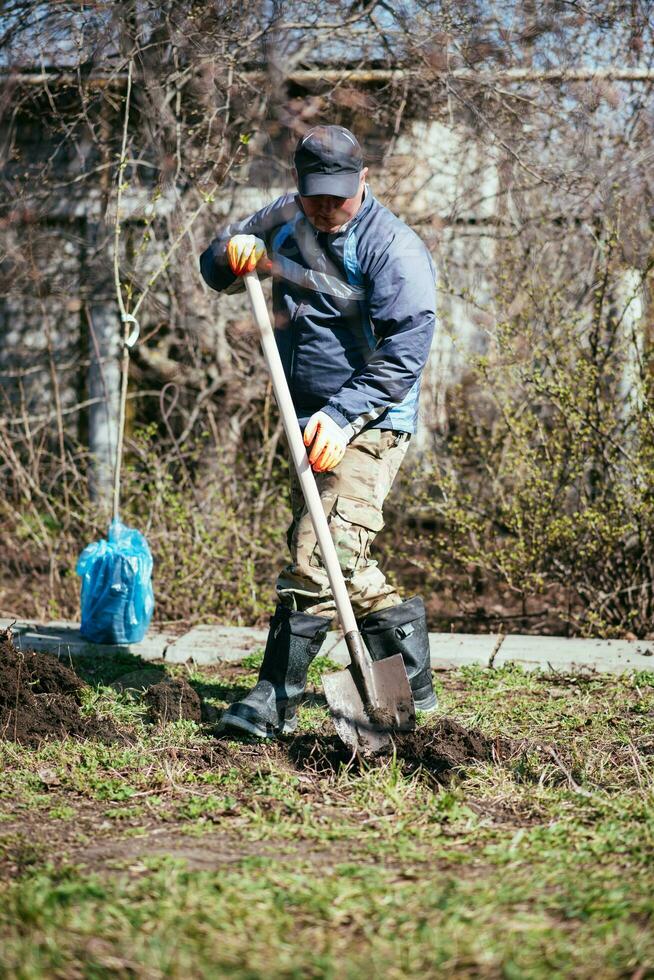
<point>403,629</point>
<point>270,709</point>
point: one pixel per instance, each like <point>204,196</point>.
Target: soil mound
<point>39,696</point>
<point>444,746</point>
<point>437,749</point>
<point>173,700</point>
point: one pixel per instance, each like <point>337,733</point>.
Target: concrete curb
<point>204,645</point>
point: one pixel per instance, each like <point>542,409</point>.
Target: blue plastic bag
<point>117,596</point>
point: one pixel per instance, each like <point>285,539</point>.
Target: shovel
<point>370,699</point>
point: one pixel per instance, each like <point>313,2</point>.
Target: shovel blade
<point>369,729</point>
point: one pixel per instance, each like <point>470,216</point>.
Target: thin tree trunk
<point>104,370</point>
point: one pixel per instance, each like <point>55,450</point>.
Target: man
<point>354,311</point>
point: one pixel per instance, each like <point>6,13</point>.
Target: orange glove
<point>329,442</point>
<point>245,253</point>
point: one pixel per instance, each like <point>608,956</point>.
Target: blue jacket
<point>354,311</point>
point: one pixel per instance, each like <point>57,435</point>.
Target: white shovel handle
<point>299,454</point>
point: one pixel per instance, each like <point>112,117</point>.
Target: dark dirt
<point>39,696</point>
<point>173,700</point>
<point>445,745</point>
<point>437,749</point>
<point>135,682</point>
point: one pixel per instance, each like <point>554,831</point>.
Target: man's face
<point>328,213</point>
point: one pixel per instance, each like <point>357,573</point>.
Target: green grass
<point>176,855</point>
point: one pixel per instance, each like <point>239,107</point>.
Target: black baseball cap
<point>328,160</point>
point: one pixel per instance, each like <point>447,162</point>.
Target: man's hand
<point>245,253</point>
<point>329,442</point>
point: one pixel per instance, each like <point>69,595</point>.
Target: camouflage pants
<point>353,496</point>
